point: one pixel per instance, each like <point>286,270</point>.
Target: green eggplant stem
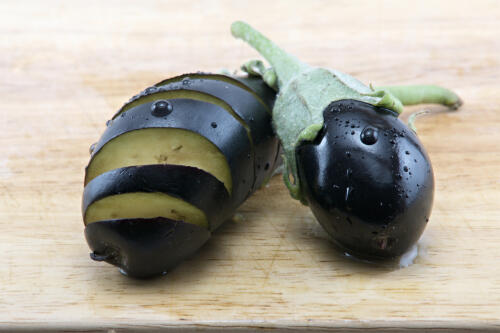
<point>424,94</point>
<point>285,65</point>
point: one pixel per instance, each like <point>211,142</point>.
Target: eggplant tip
<point>99,257</point>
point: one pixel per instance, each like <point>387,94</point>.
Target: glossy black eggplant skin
<point>144,247</point>
<point>368,180</point>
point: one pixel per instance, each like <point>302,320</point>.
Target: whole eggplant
<point>367,179</point>
<point>365,175</point>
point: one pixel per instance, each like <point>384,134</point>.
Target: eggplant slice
<point>261,92</point>
<point>168,145</point>
<point>140,191</point>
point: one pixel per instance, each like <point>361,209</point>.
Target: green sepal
<point>310,132</point>
<point>293,188</point>
<point>387,100</point>
<point>257,68</point>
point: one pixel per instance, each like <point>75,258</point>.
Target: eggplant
<point>367,179</point>
<point>173,164</point>
<point>365,175</point>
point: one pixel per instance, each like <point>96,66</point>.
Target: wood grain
<point>65,67</point>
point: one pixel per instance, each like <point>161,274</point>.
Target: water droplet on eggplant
<point>369,136</point>
<point>161,108</point>
<point>92,147</point>
<point>150,90</point>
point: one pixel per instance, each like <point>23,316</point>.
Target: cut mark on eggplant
<point>144,205</point>
<point>214,77</point>
<point>158,146</point>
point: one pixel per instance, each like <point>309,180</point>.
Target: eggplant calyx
<point>387,99</point>
<point>304,93</point>
<point>293,187</point>
<point>257,68</point>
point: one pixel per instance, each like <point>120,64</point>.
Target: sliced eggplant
<point>260,91</point>
<point>144,205</point>
<point>196,116</point>
<point>246,106</point>
<point>174,163</point>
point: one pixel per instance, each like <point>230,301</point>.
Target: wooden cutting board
<point>65,67</point>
